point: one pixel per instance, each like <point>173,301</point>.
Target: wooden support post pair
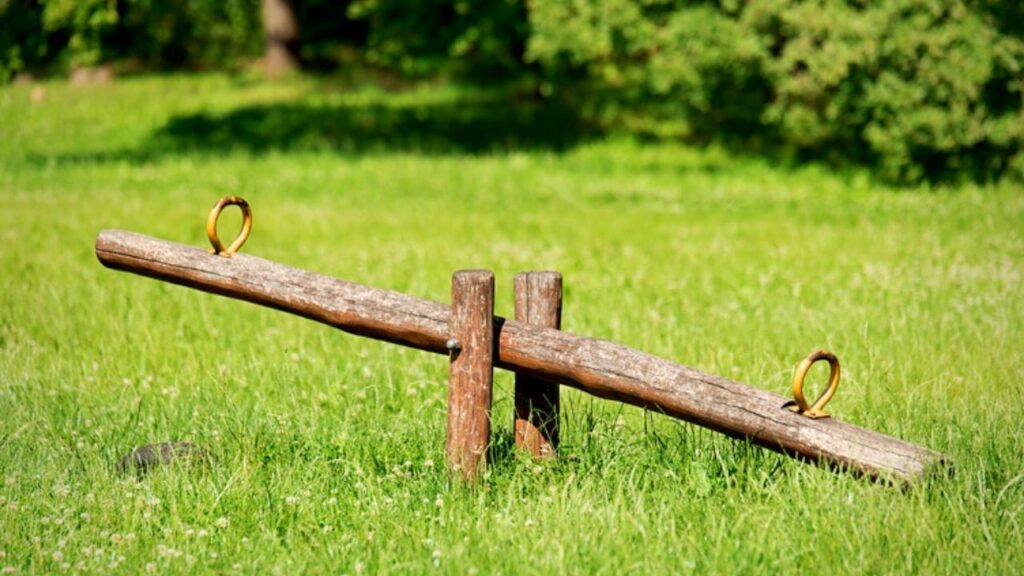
<point>472,349</point>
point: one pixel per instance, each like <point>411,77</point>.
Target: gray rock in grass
<point>145,458</point>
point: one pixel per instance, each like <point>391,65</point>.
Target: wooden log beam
<point>600,367</point>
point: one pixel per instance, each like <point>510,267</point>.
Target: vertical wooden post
<point>470,371</point>
<point>538,301</point>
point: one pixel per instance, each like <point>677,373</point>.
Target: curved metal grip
<point>815,410</point>
<point>243,235</point>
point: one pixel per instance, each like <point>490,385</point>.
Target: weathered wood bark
<point>599,367</point>
<point>281,35</point>
<point>470,371</point>
<point>538,302</point>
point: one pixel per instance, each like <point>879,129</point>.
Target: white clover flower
<point>222,522</point>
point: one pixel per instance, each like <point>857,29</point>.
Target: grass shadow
<point>477,126</point>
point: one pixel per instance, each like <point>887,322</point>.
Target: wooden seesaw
<point>532,346</point>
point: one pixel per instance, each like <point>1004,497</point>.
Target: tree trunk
<point>281,31</point>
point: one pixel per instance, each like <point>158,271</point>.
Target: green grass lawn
<point>329,449</point>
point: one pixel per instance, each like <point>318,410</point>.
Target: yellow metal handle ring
<point>243,235</point>
<point>815,410</point>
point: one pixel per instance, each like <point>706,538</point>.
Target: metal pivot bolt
<point>815,410</point>
<point>243,235</point>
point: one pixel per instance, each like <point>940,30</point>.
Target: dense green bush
<point>47,35</point>
<point>918,86</point>
<point>23,45</point>
<point>85,22</point>
<point>922,88</point>
<point>475,38</point>
<point>329,36</point>
<point>187,33</point>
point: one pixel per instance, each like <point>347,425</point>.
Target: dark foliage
<point>920,89</point>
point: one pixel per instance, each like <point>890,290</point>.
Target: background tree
<point>281,32</point>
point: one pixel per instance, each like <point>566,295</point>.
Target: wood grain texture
<point>600,367</point>
<point>538,302</point>
<point>470,371</point>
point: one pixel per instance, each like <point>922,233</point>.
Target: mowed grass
<point>328,449</point>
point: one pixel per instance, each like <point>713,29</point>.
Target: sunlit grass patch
<point>328,449</point>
